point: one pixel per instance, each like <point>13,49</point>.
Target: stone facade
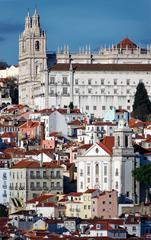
<point>94,82</point>
<point>108,165</point>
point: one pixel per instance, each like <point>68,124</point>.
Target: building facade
<point>108,165</point>
<point>94,82</point>
<point>29,179</point>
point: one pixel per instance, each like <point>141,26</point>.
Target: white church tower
<point>123,162</point>
<point>32,62</point>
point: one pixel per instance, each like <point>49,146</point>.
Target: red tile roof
<point>35,164</point>
<point>76,123</point>
<point>41,198</point>
<point>135,123</point>
<point>107,144</point>
<point>8,135</point>
<point>90,190</point>
<point>104,123</point>
<point>30,124</point>
<point>126,43</point>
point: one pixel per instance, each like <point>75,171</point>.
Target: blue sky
<point>75,22</point>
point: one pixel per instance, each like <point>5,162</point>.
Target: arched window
<point>37,45</point>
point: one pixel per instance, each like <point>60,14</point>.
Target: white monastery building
<point>94,81</point>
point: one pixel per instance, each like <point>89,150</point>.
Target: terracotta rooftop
<point>41,198</point>
<point>107,144</point>
<point>35,164</point>
<point>30,124</point>
<point>126,43</point>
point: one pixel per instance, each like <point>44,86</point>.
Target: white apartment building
<point>94,82</point>
<point>4,185</point>
<point>108,165</point>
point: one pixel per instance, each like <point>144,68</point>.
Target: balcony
<point>21,188</point>
<point>45,176</point>
<point>32,176</point>
<point>56,176</point>
<point>4,195</point>
<point>4,177</point>
<point>38,176</point>
<point>5,186</point>
<point>56,188</point>
<point>11,188</point>
<point>45,188</point>
<point>16,188</point>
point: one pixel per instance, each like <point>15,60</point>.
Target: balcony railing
<point>56,188</point>
<point>5,186</point>
<point>45,176</point>
<point>32,176</point>
<point>4,195</point>
<point>56,176</point>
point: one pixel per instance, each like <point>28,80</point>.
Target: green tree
<point>142,104</point>
<point>143,174</point>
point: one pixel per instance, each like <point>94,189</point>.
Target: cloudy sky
<point>75,22</point>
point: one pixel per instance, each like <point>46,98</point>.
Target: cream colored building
<point>29,179</point>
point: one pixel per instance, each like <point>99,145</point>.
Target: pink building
<point>105,205</point>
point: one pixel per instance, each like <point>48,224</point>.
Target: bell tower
<point>32,61</point>
<point>123,163</point>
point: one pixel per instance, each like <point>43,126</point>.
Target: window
<point>76,90</point>
<point>96,168</point>
<point>89,207</point>
<point>126,141</point>
<point>128,107</point>
<point>76,81</point>
<point>105,170</point>
<point>115,91</point>
<point>134,228</point>
<point>65,80</point>
<point>81,172</point>
<point>87,107</point>
<point>116,172</point>
<point>89,81</point>
<point>88,180</point>
<point>105,180</point>
<point>85,206</point>
<point>103,107</point>
<point>52,80</point>
<point>81,185</point>
<point>102,90</point>
<point>128,91</point>
<point>116,185</point>
<point>103,202</point>
<point>118,141</point>
<point>65,90</point>
<point>102,81</point>
<point>89,90</point>
<point>115,81</point>
<point>94,107</point>
<point>128,81</point>
<point>37,45</point>
<point>88,170</point>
